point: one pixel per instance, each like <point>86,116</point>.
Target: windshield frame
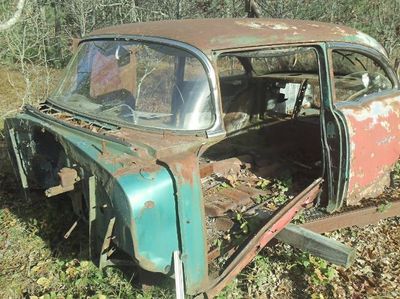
<point>215,129</point>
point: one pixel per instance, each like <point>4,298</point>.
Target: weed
<point>223,185</point>
<point>396,174</point>
<point>299,218</point>
<point>319,270</point>
<point>384,207</point>
<point>244,225</point>
<point>263,184</point>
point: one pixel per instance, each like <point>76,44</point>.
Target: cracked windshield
<point>138,83</point>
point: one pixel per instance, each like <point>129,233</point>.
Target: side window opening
<point>230,66</point>
<point>272,123</point>
<point>233,77</point>
<point>291,70</point>
<point>283,83</point>
<point>357,75</point>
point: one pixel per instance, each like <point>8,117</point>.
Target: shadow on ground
<point>53,216</point>
<point>32,229</point>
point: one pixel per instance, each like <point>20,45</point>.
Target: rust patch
<point>218,34</point>
<point>149,145</point>
<point>68,178</point>
<point>374,146</point>
<point>184,167</point>
<point>128,168</point>
<point>359,217</point>
<point>230,166</point>
<point>71,119</point>
<point>149,204</point>
<point>104,148</point>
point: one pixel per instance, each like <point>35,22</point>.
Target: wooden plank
<point>328,249</point>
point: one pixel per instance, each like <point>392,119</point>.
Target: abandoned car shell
<point>135,151</point>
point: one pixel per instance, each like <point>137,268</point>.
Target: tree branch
<point>14,19</point>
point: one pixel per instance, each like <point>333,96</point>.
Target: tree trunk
<point>252,9</point>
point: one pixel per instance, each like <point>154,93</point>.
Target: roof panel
<point>220,34</point>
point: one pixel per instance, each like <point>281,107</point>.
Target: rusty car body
<point>151,118</point>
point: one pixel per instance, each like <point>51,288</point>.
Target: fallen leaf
<point>44,282</point>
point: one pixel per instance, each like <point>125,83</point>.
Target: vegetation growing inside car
<point>273,149</point>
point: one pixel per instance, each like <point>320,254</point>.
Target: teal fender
<point>157,204</point>
<point>142,202</point>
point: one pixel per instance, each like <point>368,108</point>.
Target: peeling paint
<point>373,111</point>
<point>374,144</point>
<point>263,24</point>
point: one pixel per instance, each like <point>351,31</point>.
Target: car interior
<point>271,104</point>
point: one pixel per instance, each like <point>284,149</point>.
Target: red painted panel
<point>374,129</point>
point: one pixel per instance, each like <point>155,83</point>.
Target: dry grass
<point>17,88</point>
<point>35,259</point>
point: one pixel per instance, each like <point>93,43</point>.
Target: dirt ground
<point>36,261</point>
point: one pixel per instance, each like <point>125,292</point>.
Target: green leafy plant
<point>263,184</point>
<point>299,218</point>
<point>396,173</point>
<point>384,207</point>
<point>279,188</point>
<point>223,185</point>
<point>319,271</point>
<point>244,225</point>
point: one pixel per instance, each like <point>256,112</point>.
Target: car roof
<point>210,35</point>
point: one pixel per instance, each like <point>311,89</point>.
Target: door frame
<point>345,166</point>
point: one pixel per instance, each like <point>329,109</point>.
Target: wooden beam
<point>328,249</point>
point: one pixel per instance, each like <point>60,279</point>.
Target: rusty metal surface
<point>358,217</point>
<point>68,178</point>
<point>218,34</point>
<point>147,145</point>
<point>253,192</point>
<point>230,166</point>
<point>221,201</point>
<point>374,145</point>
<point>237,196</point>
<point>258,241</point>
<point>155,145</point>
<point>184,170</point>
<point>127,195</point>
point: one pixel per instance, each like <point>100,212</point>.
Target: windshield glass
<point>138,83</point>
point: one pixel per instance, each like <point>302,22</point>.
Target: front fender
<point>138,193</point>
